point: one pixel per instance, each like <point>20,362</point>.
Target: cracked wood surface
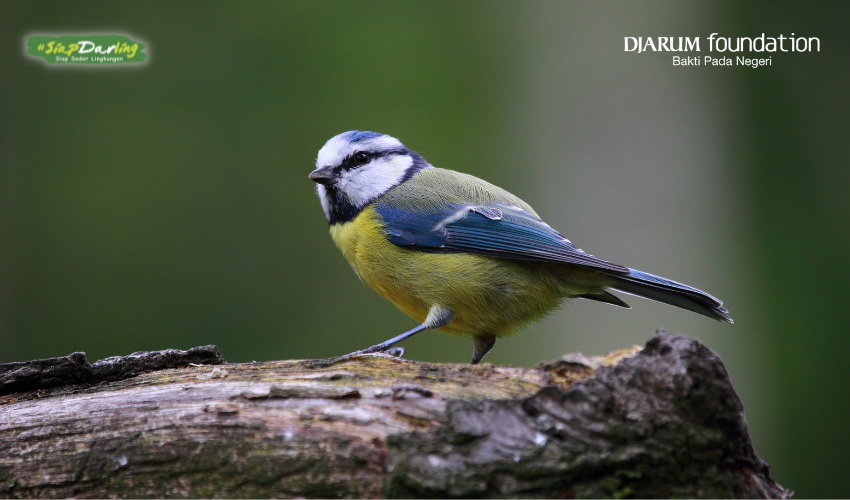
<point>662,421</point>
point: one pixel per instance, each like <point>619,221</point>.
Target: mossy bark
<point>659,422</point>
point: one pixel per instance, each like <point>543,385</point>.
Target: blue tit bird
<point>458,254</point>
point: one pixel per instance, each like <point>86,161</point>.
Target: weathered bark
<point>75,368</point>
<point>658,422</point>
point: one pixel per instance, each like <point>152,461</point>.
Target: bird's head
<point>354,168</point>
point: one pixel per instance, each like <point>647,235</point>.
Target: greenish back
<point>433,188</point>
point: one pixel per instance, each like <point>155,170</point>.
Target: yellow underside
<point>488,295</point>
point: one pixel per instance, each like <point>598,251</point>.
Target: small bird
<point>458,254</point>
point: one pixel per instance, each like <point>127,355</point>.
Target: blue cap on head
<point>360,135</point>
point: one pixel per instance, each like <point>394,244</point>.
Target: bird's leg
<point>483,344</point>
<point>438,316</point>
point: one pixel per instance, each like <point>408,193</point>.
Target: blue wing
<point>498,230</point>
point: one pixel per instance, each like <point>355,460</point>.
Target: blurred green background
<point>168,205</point>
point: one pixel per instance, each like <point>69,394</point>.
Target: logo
<point>86,49</point>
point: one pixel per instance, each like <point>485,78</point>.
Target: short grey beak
<point>323,175</point>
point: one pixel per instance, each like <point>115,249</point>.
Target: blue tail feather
<point>671,292</point>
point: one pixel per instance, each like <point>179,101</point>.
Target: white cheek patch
<point>364,184</point>
<point>323,199</point>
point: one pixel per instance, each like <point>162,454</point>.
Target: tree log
<point>663,421</point>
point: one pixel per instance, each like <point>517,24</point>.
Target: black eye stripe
<point>350,163</point>
<point>390,152</point>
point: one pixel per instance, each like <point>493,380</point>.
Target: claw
<point>395,351</point>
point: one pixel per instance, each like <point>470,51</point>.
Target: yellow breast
<point>487,294</point>
<point>384,267</point>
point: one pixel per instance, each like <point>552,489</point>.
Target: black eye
<point>361,158</point>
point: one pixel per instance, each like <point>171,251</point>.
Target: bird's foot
<point>397,352</point>
<point>389,352</point>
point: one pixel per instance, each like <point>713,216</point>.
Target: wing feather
<point>494,229</point>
